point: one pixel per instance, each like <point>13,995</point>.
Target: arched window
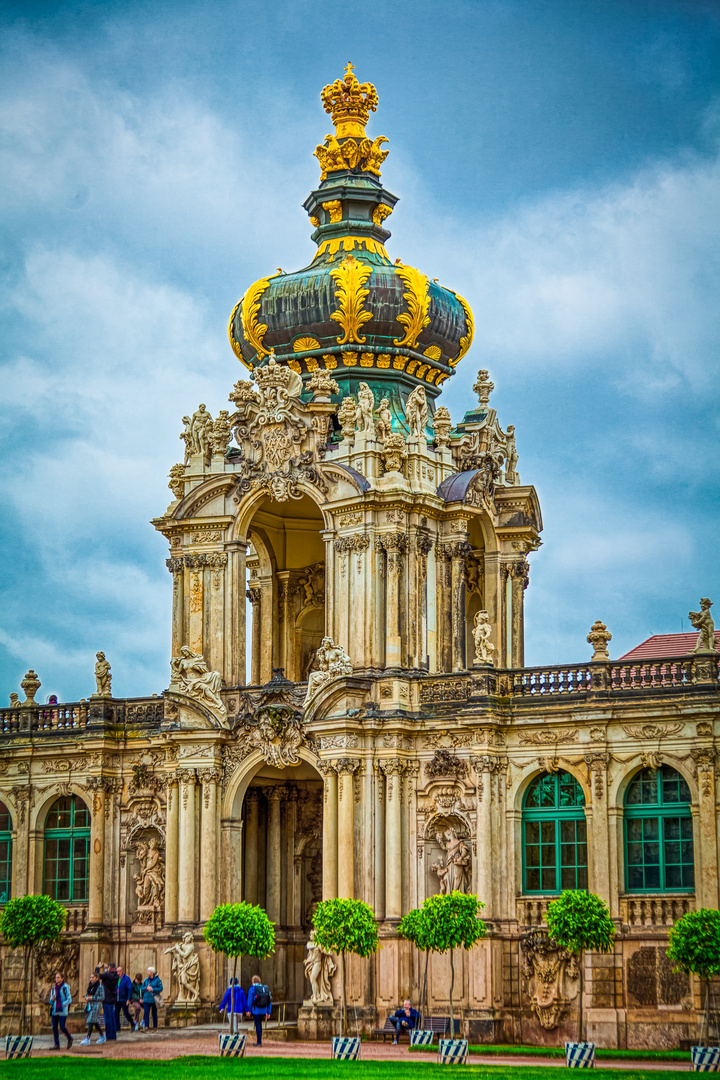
<point>5,854</point>
<point>554,835</point>
<point>659,833</point>
<point>67,848</point>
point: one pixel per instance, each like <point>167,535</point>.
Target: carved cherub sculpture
<point>103,678</point>
<point>703,621</point>
<point>383,426</point>
<point>482,630</point>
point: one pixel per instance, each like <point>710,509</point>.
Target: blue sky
<point>557,164</point>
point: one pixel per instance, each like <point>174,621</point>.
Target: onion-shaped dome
<point>354,311</point>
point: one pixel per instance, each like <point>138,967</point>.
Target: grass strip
<point>559,1052</point>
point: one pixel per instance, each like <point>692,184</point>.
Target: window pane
<point>568,877</point>
<point>549,879</point>
<point>582,876</point>
<point>571,793</point>
<point>532,855</point>
<point>672,828</point>
<point>5,870</point>
<point>547,832</point>
<point>634,854</point>
<point>5,819</point>
<point>80,869</point>
<point>567,831</point>
<point>634,829</point>
<point>59,816</point>
<point>532,832</point>
<point>673,877</point>
<point>82,815</point>
<point>652,877</point>
<point>651,828</point>
<point>636,878</point>
<point>532,881</point>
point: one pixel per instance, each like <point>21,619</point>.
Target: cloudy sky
<point>557,164</point>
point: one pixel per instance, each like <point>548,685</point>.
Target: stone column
<point>171,853</point>
<point>598,828</point>
<point>708,892</point>
<point>208,844</point>
<point>195,585</point>
<point>187,863</point>
<point>234,615</point>
<point>346,769</point>
<point>274,797</point>
<point>394,546</point>
<point>176,567</point>
<point>444,607</point>
<point>96,884</point>
<point>330,832</point>
<point>253,595</point>
<point>393,770</point>
<point>251,844</point>
<point>520,573</point>
<point>379,843</point>
<point>21,848</point>
<point>484,766</point>
<point>423,545</point>
<point>460,549</point>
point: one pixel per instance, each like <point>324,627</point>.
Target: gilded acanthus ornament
<point>191,676</point>
<point>466,340</point>
<point>350,277</point>
<point>598,637</point>
<point>416,412</point>
<point>703,621</point>
<point>253,329</point>
<point>482,630</point>
<point>417,297</point>
<point>333,663</point>
<point>381,212</point>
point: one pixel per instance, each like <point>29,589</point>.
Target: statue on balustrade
<point>365,409</point>
<point>482,630</point>
<point>186,968</point>
<point>103,678</point>
<point>193,677</point>
<point>416,412</point>
<point>319,969</point>
<point>703,621</point>
<point>333,663</point>
<point>454,872</point>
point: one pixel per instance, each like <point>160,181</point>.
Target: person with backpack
<point>60,1002</point>
<point>259,1003</point>
<point>237,1007</point>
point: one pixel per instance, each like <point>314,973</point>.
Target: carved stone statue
<point>186,436</point>
<point>442,425</point>
<point>103,678</point>
<point>150,882</point>
<point>394,452</point>
<point>703,621</point>
<point>333,663</point>
<point>383,427</point>
<point>416,412</point>
<point>201,431</point>
<point>511,456</point>
<point>14,700</point>
<point>220,432</point>
<point>454,872</point>
<point>191,675</point>
<point>186,968</point>
<point>347,417</point>
<point>322,385</point>
<point>482,630</point>
<point>366,408</point>
<point>319,968</point>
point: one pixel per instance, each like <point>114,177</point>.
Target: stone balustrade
<point>530,910</point>
<point>77,715</point>
<point>660,911</point>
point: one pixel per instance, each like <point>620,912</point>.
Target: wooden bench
<point>439,1025</point>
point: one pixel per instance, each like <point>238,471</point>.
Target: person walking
<point>60,1002</point>
<point>94,997</point>
<point>136,999</point>
<point>151,988</point>
<point>259,1005</point>
<point>124,990</point>
<point>237,1007</point>
<point>109,978</point>
<point>405,1019</point>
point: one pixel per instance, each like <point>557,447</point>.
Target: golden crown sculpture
<point>349,102</point>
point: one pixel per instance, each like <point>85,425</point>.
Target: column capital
<point>346,766</point>
<point>186,776</point>
<point>392,766</point>
<point>489,763</point>
<point>274,792</point>
<point>209,776</point>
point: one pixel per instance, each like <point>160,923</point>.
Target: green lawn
<point>199,1068</point>
<point>559,1052</point>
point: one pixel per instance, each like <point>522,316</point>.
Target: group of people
<point>110,995</point>
<point>257,1004</point>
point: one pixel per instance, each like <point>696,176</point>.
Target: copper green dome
<point>353,310</point>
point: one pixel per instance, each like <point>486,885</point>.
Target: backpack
<point>261,998</point>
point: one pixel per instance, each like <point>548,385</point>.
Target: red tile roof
<point>660,645</point>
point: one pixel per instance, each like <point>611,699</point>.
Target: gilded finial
<point>349,103</point>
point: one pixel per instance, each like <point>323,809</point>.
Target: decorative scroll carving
<point>445,764</point>
<point>548,969</point>
<point>597,766</point>
<point>547,738</point>
<point>653,731</point>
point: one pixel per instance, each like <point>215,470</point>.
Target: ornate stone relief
<point>653,731</point>
<point>445,764</point>
<point>269,720</point>
<point>150,881</point>
<point>546,737</point>
<point>549,971</point>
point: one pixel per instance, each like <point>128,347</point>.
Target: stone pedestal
<point>183,1015</point>
<point>318,1021</point>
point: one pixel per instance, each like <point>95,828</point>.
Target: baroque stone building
<point>388,742</point>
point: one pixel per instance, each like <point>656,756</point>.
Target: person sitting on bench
<point>404,1019</point>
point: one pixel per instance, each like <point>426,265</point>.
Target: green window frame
<point>6,854</point>
<point>658,825</point>
<point>554,832</point>
<point>67,850</point>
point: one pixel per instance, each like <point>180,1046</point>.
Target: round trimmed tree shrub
<point>239,930</point>
<point>451,921</point>
<point>343,926</point>
<point>695,948</point>
<point>25,923</point>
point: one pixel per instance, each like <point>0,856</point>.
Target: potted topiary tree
<point>577,921</point>
<point>345,926</point>
<point>414,927</point>
<point>695,948</point>
<point>238,930</point>
<point>451,921</point>
<point>25,923</point>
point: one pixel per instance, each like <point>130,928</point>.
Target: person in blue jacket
<point>236,1007</point>
<point>405,1019</point>
<point>151,988</point>
<point>60,1002</point>
<point>124,990</point>
<point>259,1003</point>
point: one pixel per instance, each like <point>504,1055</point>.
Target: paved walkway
<point>169,1043</point>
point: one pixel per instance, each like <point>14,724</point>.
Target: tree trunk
<point>581,996</point>
<point>452,985</point>
<point>423,992</point>
<point>23,1004</point>
<point>343,1005</point>
<point>232,996</point>
<point>706,1040</point>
